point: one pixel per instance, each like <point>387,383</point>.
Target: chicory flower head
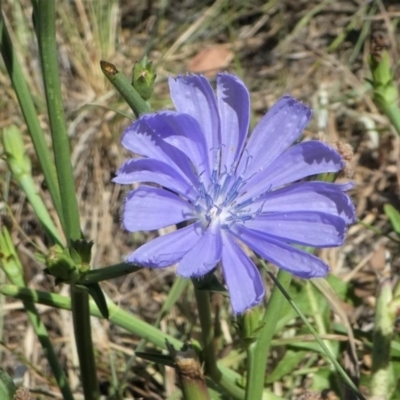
<point>197,168</point>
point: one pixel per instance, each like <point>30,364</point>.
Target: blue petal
<point>146,137</point>
<point>193,95</point>
<point>297,262</point>
<point>184,133</point>
<point>308,228</point>
<point>275,132</point>
<point>154,171</point>
<point>203,256</point>
<point>234,109</point>
<point>305,159</point>
<point>148,208</point>
<point>322,197</point>
<point>242,277</point>
<point>167,250</point>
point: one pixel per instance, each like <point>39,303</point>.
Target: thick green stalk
<point>45,18</point>
<point>30,115</point>
<point>207,333</point>
<point>257,352</point>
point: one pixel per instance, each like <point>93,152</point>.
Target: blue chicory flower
<point>197,168</point>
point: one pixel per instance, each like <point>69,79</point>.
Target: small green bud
<point>14,149</point>
<point>60,264</point>
<point>249,324</point>
<point>143,78</point>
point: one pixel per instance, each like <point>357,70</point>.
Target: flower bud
<point>249,324</point>
<point>60,264</point>
<point>143,78</point>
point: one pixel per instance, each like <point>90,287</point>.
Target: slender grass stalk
<point>209,354</point>
<point>13,268</point>
<point>318,318</point>
<point>385,318</point>
<point>20,166</point>
<point>29,112</point>
<point>45,17</point>
<point>257,352</point>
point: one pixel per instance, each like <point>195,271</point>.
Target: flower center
<point>217,203</point>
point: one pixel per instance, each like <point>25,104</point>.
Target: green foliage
<point>7,387</point>
<point>394,217</point>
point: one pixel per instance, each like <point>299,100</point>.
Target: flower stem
<point>257,352</point>
<point>210,360</point>
<point>45,18</point>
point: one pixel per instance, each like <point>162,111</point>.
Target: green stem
<point>28,186</point>
<point>43,336</point>
<point>45,18</point>
<point>318,318</point>
<point>30,115</point>
<point>20,166</point>
<point>393,113</point>
<point>382,338</point>
<point>207,333</point>
<point>258,351</point>
<point>83,338</point>
<point>124,87</point>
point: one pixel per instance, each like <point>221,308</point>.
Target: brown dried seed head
<point>22,394</point>
<point>346,151</point>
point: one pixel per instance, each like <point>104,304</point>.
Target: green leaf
<point>98,296</point>
<point>7,387</point>
<point>394,217</point>
<point>286,365</point>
